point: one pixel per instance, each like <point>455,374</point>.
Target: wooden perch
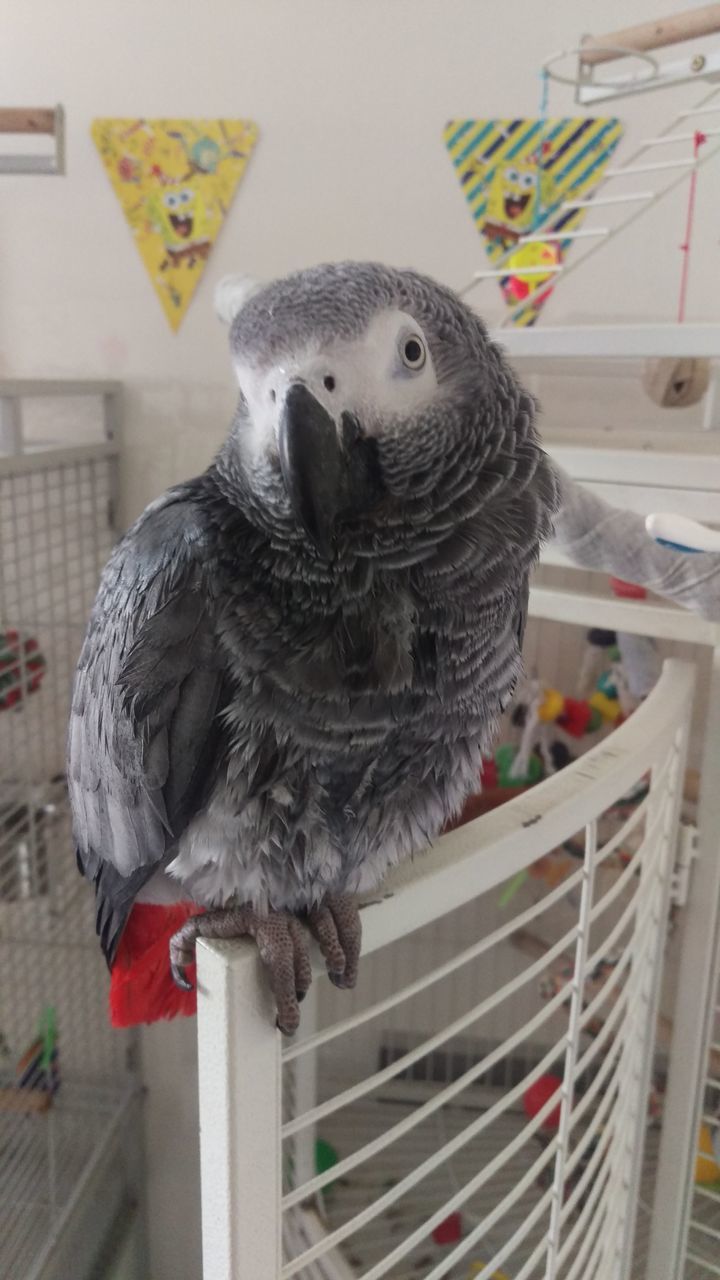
<point>689,25</point>
<point>24,121</point>
<point>25,1102</point>
<point>27,120</point>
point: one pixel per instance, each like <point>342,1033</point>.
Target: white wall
<point>351,97</point>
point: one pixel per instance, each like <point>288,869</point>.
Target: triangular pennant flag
<point>519,177</point>
<point>175,180</point>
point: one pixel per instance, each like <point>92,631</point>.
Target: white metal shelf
<point>615,341</point>
<point>43,387</point>
<point>641,617</point>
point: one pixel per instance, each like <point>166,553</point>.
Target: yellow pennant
<point>175,180</point>
<point>526,177</point>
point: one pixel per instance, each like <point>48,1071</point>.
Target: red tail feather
<point>141,985</point>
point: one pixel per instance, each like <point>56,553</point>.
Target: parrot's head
<point>376,417</point>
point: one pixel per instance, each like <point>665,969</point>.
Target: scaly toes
<point>349,930</point>
<point>335,925</point>
<point>322,927</point>
<point>281,944</point>
<point>301,957</point>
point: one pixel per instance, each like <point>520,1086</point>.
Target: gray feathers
<point>144,726</point>
<point>259,722</point>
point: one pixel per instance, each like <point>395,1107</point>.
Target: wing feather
<point>145,730</point>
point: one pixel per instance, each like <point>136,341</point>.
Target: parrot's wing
<point>145,728</point>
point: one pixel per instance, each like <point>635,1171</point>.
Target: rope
<point>542,113</point>
<point>698,140</point>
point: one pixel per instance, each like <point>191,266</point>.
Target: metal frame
<point>14,390</point>
<point>700,966</point>
<point>636,42</point>
<point>239,1048</point>
<point>31,477</point>
<point>613,51</point>
<point>612,349</point>
<point>677,71</point>
<point>425,885</point>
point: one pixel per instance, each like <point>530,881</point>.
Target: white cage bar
<point>584,1218</point>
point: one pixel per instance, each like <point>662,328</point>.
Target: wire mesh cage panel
<point>65,1079</point>
<point>702,1249</point>
<point>480,1105</point>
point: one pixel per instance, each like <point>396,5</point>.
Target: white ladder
<point>638,202</point>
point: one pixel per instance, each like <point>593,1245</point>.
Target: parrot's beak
<point>313,464</point>
<point>330,471</point>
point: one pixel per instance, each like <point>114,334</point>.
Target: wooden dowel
<point>27,120</point>
<point>25,1102</point>
<point>652,35</point>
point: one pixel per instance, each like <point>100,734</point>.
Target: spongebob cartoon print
<point>175,181</point>
<point>517,196</point>
<point>182,220</point>
<point>525,177</point>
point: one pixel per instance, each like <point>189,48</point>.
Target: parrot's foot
<point>336,927</point>
<point>281,942</point>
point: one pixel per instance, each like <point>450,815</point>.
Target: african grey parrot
<point>296,660</point>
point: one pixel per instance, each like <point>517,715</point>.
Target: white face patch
<point>386,373</point>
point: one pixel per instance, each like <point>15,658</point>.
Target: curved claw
<point>281,942</point>
<point>179,977</point>
<point>182,951</point>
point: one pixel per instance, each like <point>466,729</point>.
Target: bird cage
<point>451,1155</point>
<point>67,1086</point>
<point>481,1107</point>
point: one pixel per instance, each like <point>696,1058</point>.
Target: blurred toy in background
<point>707,1161</point>
<point>525,272</point>
<point>30,817</point>
<point>22,667</point>
<point>477,1267</point>
<point>39,1066</point>
<point>535,1098</point>
<point>620,671</point>
<point>538,1094</point>
<point>617,672</point>
<point>37,1071</point>
<point>450,1230</point>
<point>559,978</point>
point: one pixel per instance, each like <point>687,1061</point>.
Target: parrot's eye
<point>527,180</point>
<point>413,353</point>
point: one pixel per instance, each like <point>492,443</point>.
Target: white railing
<point>414,1149</point>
